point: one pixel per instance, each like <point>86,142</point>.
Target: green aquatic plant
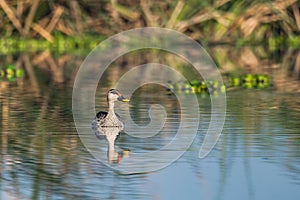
<point>11,73</point>
<point>248,81</point>
<point>234,81</point>
<point>197,87</point>
<point>61,44</point>
<point>262,81</point>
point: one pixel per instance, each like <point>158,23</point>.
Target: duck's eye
<point>113,92</point>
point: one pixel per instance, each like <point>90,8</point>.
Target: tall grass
<point>220,21</point>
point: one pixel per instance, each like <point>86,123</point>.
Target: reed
<point>220,21</point>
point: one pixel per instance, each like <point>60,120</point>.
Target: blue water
<point>256,157</point>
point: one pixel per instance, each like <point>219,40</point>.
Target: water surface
<point>42,156</point>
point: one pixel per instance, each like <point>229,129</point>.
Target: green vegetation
<point>241,36</point>
<point>258,81</point>
<point>66,26</point>
<point>11,73</point>
<point>249,81</point>
<point>61,44</point>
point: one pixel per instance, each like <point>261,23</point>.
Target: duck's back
<point>101,115</point>
<point>100,120</point>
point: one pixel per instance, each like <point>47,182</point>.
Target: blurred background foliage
<point>242,36</point>
<point>275,23</point>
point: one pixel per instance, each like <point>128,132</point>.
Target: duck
<point>109,119</point>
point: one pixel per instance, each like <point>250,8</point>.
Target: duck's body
<point>106,119</point>
<point>110,118</point>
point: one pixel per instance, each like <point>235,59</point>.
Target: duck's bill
<point>123,99</point>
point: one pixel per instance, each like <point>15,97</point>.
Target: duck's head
<point>116,95</point>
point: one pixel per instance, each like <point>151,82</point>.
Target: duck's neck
<point>111,105</point>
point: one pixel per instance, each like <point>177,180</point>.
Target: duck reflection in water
<point>111,134</point>
<point>109,125</point>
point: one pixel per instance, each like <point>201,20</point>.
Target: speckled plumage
<point>103,119</point>
<point>109,119</point>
